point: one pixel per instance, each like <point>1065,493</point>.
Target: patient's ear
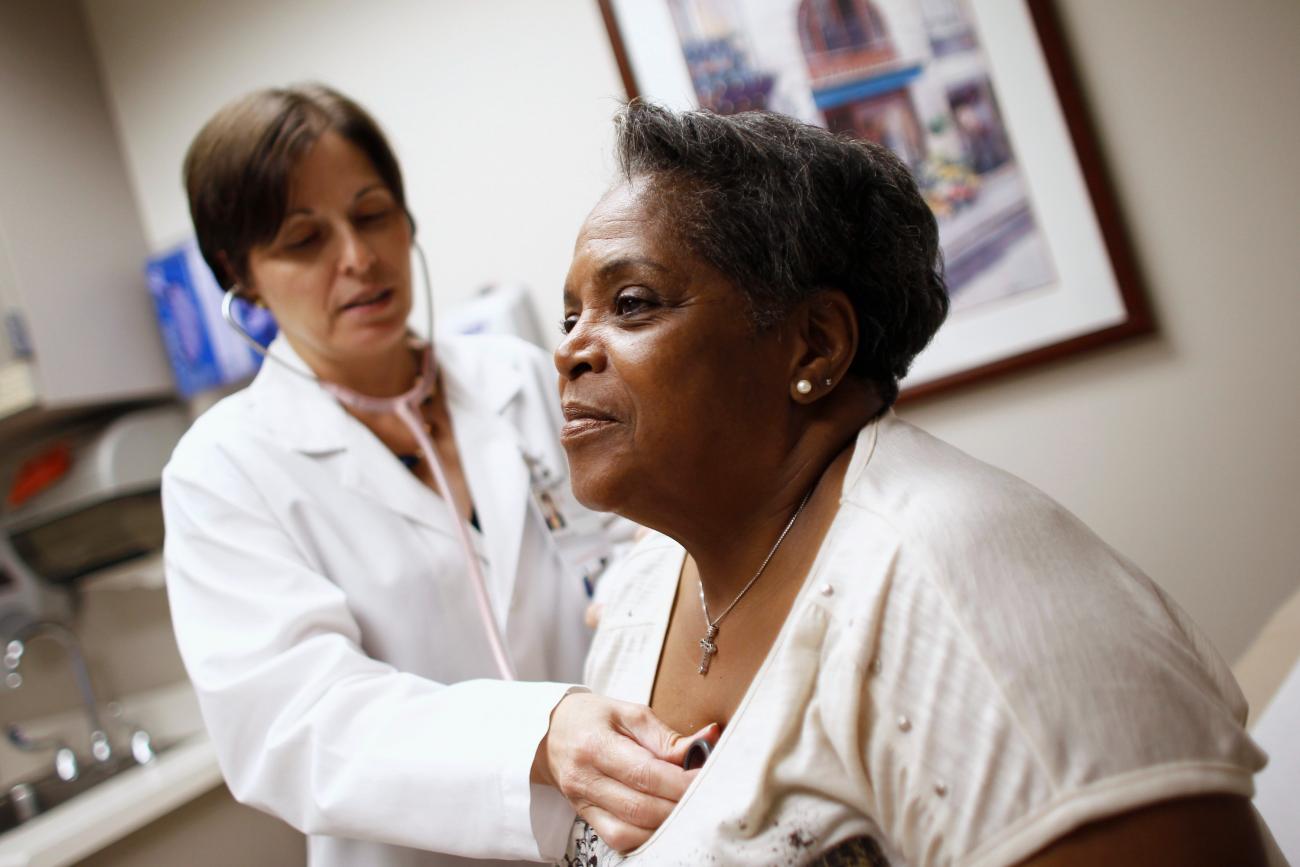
<point>826,332</point>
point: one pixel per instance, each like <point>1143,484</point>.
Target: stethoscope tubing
<point>407,408</point>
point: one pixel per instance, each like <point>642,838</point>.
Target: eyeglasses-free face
<point>337,275</point>
<point>663,379</point>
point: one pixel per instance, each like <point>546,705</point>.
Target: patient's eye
<point>632,301</point>
<point>568,323</point>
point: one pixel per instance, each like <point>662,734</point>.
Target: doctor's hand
<point>617,764</point>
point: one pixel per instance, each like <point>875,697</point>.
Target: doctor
<point>322,604</point>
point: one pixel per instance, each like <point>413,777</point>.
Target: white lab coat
<point>326,619</point>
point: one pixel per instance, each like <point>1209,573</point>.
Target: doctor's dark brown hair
<point>237,168</point>
<point>785,209</point>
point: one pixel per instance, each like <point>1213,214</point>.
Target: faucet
<point>16,646</point>
<point>66,765</point>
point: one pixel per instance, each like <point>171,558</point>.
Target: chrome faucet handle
<point>23,799</point>
<point>14,650</point>
<point>66,765</point>
<point>142,747</point>
<point>141,741</point>
<point>15,735</point>
<point>100,748</point>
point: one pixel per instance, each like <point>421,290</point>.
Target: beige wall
<point>1180,450</point>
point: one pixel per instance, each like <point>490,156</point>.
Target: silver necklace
<point>707,645</point>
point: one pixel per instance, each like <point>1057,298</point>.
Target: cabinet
<point>78,322</point>
<point>17,388</point>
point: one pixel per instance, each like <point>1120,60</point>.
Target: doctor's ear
<point>246,296</point>
<point>242,291</point>
<point>227,276</point>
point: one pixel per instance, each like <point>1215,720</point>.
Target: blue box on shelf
<point>204,352</point>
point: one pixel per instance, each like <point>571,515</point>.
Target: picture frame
<point>979,98</point>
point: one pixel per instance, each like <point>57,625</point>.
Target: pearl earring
<point>803,386</point>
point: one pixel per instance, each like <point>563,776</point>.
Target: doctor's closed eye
<point>375,208</point>
<point>300,237</point>
<point>371,217</point>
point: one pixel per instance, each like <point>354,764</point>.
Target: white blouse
<point>967,674</point>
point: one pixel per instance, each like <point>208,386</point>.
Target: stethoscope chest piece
<point>697,754</point>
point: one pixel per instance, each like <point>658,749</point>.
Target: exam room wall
<point>1180,450</point>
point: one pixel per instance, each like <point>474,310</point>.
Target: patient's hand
<point>617,764</point>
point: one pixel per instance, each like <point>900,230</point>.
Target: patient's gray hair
<point>785,209</point>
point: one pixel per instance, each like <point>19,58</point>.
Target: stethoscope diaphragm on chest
<point>697,754</point>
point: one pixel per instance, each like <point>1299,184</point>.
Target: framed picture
<point>978,98</point>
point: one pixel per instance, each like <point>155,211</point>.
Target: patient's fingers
<point>646,729</point>
<point>624,803</point>
<point>590,755</point>
<point>677,753</point>
<point>634,766</point>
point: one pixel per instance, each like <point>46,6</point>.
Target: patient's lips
<point>582,419</point>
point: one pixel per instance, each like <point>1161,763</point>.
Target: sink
<point>26,800</point>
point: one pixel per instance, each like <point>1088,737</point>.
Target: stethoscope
<point>407,408</point>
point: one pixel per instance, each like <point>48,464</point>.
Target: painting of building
<point>908,74</point>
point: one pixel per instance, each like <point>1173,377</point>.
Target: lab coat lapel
<point>295,410</point>
<point>307,419</point>
<point>370,469</point>
<point>498,479</point>
<point>480,391</point>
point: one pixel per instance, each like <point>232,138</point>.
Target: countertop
<point>114,808</point>
<point>129,801</point>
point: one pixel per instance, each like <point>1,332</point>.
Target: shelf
<point>17,387</point>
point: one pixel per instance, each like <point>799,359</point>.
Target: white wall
<point>1180,450</point>
<point>498,111</point>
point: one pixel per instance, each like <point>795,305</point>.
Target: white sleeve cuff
<point>540,815</point>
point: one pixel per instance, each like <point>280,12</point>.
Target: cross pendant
<point>708,648</point>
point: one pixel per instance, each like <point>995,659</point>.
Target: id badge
<point>579,533</point>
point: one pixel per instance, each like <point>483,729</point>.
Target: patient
<point>917,659</point>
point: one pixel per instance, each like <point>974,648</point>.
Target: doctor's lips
<point>370,299</point>
<point>580,419</point>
